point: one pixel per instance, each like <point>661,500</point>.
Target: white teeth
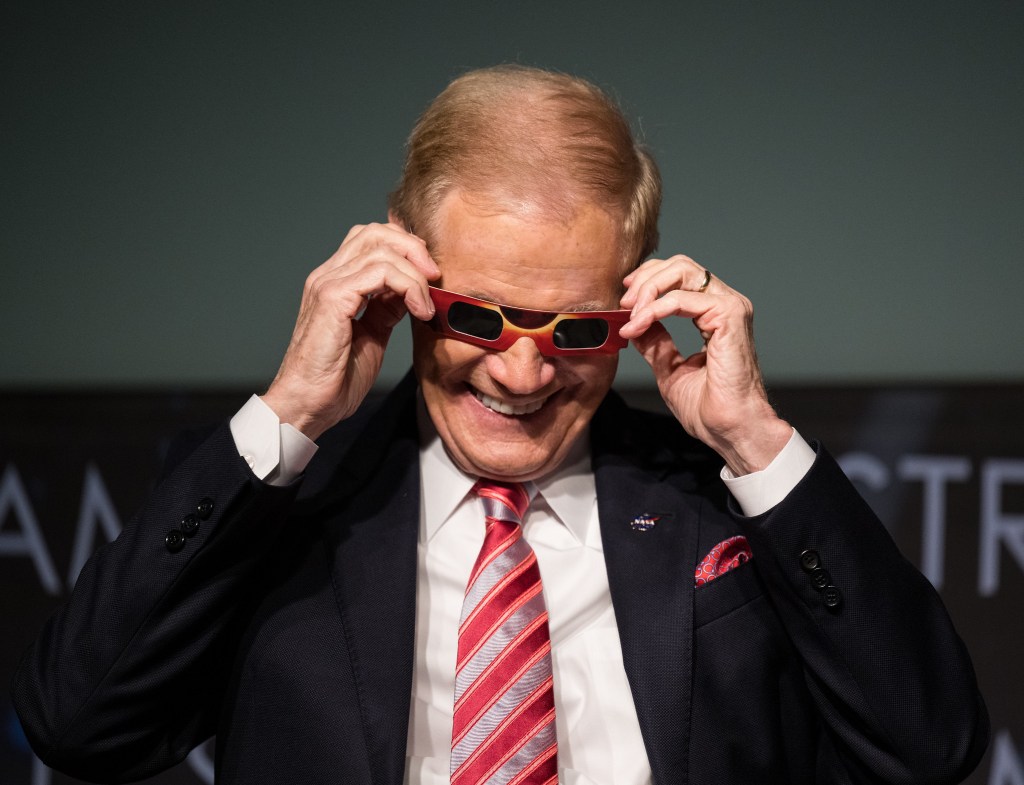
<point>506,408</point>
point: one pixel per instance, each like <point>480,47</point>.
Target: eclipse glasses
<point>495,326</point>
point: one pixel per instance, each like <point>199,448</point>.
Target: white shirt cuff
<point>276,452</point>
<point>758,492</point>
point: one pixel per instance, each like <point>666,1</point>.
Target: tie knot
<point>506,501</point>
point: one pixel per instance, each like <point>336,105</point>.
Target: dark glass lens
<point>580,333</point>
<point>474,320</point>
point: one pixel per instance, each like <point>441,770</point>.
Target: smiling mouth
<point>507,408</point>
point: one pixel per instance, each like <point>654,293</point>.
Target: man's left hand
<point>716,393</point>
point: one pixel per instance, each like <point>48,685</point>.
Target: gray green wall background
<point>172,171</point>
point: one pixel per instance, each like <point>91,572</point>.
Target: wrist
<point>753,447</point>
<point>282,405</point>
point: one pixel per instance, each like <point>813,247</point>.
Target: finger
<point>373,274</point>
<point>649,265</point>
<point>375,241</point>
<point>659,350</point>
<point>645,271</point>
<point>656,346</point>
<point>395,276</point>
<point>353,232</point>
<point>416,250</point>
<point>679,272</point>
<point>692,305</point>
<point>380,317</point>
<point>399,227</point>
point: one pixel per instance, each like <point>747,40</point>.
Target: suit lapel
<point>371,537</point>
<point>648,563</point>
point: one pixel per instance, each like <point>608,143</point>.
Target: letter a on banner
<point>29,541</point>
<point>96,507</point>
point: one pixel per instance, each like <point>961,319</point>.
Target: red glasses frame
<point>516,323</point>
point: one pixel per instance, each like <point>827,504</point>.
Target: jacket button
<point>205,508</point>
<point>833,597</point>
<point>819,578</point>
<point>190,524</point>
<point>174,540</point>
<point>809,560</point>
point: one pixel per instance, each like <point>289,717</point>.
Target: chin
<point>486,443</point>
<point>507,468</point>
<point>504,456</point>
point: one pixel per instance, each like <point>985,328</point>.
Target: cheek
<point>593,376</point>
<point>437,360</point>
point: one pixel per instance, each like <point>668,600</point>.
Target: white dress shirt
<point>599,739</point>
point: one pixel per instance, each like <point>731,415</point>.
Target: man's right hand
<point>380,271</point>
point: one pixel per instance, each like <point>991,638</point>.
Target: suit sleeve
<point>126,677</point>
<point>893,682</point>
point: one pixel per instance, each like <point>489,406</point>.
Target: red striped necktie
<point>504,725</point>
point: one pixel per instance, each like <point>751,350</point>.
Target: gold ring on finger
<point>707,279</point>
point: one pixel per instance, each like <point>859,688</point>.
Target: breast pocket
<point>726,593</point>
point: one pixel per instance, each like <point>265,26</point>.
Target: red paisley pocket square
<point>723,557</point>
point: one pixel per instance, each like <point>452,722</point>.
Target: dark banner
<point>943,466</point>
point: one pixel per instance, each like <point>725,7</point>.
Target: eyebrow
<point>589,305</point>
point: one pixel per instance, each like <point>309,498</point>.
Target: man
<point>314,611</point>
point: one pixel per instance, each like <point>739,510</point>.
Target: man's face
<point>514,415</point>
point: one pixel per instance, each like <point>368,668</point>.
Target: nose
<point>521,369</point>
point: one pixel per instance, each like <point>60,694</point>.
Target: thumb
<point>656,346</point>
<point>382,313</point>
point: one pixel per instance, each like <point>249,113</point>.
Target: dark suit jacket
<point>285,625</point>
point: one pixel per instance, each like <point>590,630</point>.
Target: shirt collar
<point>569,491</point>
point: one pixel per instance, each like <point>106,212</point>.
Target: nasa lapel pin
<point>644,522</point>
